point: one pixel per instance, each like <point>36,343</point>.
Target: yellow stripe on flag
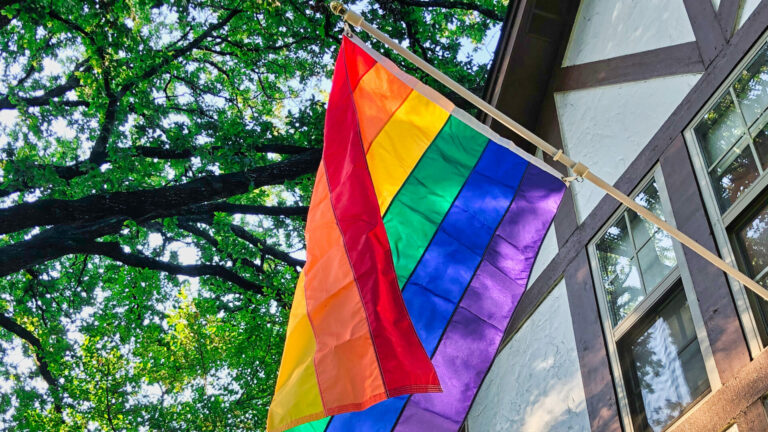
<point>298,359</point>
<point>417,122</point>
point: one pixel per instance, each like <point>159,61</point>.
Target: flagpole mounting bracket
<point>338,8</point>
<point>579,170</point>
<point>351,17</point>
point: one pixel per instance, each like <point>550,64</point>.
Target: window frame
<point>720,221</point>
<point>654,296</point>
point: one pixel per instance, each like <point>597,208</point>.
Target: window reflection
<point>642,230</point>
<point>733,174</point>
<point>753,239</point>
<point>657,258</point>
<point>720,129</point>
<point>634,256</point>
<point>662,365</point>
<point>751,88</point>
<point>619,271</point>
<point>752,243</point>
<point>733,133</point>
<point>761,146</point>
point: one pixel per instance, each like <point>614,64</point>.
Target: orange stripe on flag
<point>378,95</point>
<point>345,361</point>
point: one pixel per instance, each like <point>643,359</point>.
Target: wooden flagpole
<point>579,169</point>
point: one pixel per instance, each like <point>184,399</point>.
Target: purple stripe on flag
<point>474,333</point>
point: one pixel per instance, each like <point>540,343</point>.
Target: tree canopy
<point>156,163</point>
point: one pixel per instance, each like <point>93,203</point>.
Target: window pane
<point>619,272</point>
<point>657,259</point>
<point>761,145</point>
<point>642,229</point>
<point>719,129</point>
<point>753,242</point>
<point>662,365</point>
<point>734,174</point>
<point>752,88</point>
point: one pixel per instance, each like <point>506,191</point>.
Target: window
<point>750,239</point>
<point>653,340</point>
<point>732,135</point>
<point>729,145</point>
<point>662,364</point>
<point>634,256</point>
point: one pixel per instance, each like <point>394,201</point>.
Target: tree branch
<point>448,4</point>
<point>265,248</point>
<point>115,251</point>
<point>176,54</point>
<point>190,227</point>
<point>225,207</point>
<point>45,99</point>
<point>98,154</point>
<point>143,203</point>
<point>27,336</point>
<point>52,243</point>
<point>169,154</point>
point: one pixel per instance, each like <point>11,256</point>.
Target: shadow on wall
<point>535,384</point>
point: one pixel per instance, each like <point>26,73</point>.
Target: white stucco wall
<point>610,28</point>
<point>747,7</point>
<point>545,256</point>
<point>535,383</point>
<point>606,127</point>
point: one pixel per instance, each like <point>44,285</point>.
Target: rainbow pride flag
<point>421,235</point>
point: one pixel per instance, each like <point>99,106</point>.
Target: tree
<point>157,160</point>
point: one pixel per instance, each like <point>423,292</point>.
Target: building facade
<point>621,328</point>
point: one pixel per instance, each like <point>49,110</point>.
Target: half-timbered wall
<point>617,83</point>
<point>608,126</point>
<point>611,28</point>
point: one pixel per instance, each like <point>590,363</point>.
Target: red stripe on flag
<point>404,364</point>
<point>358,62</point>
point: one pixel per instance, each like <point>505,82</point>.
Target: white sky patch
<point>483,53</point>
<point>155,240</point>
<point>8,118</point>
<point>187,255</point>
<point>61,127</point>
<point>51,67</point>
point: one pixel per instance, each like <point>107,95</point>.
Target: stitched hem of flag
<point>416,388</point>
<point>299,421</point>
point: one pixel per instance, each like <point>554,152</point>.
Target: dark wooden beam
<point>602,408</point>
<point>721,319</point>
<point>727,14</point>
<point>706,28</point>
<point>672,60</point>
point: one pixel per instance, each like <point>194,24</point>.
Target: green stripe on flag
<point>315,426</point>
<point>422,202</point>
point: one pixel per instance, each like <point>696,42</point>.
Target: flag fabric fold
<point>422,231</point>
